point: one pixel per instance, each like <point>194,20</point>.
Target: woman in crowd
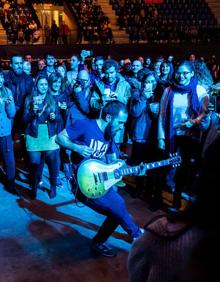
<point>183,105</point>
<point>203,75</point>
<point>66,86</point>
<point>62,102</point>
<point>166,74</point>
<point>7,113</point>
<point>59,95</point>
<point>144,110</point>
<point>41,119</point>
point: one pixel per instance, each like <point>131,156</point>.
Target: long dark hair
<point>53,78</point>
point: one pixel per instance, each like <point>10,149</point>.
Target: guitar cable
<point>73,187</point>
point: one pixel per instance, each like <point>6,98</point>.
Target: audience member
<point>175,246</point>
<point>183,105</point>
<point>7,113</point>
<point>41,120</point>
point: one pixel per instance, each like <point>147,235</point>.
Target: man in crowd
<point>74,68</point>
<point>111,87</point>
<point>20,84</point>
<point>50,61</point>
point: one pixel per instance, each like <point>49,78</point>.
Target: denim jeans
<point>7,156</point>
<point>113,206</point>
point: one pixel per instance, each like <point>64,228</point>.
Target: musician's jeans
<point>113,206</point>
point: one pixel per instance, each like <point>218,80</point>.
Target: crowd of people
<point>19,22</point>
<point>63,114</point>
<point>183,21</point>
<point>168,21</point>
<point>93,25</point>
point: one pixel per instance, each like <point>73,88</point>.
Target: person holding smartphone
<point>144,111</point>
<point>41,120</point>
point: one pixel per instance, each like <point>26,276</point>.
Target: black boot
<point>33,193</point>
<point>34,178</point>
<point>53,188</point>
<point>53,192</point>
<point>10,186</point>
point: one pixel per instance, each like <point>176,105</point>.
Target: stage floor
<point>48,240</point>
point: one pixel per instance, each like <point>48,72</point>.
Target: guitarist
<point>94,138</point>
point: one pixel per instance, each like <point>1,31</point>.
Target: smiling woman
<point>182,107</point>
<point>41,120</point>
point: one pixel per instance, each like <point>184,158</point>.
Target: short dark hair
<point>110,63</point>
<point>113,108</point>
<point>15,55</point>
<point>98,58</point>
<point>187,63</point>
<point>47,55</point>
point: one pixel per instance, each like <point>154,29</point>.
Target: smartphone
<point>38,100</point>
<point>107,92</point>
<point>148,87</point>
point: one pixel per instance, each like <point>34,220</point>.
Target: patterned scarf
<point>193,108</point>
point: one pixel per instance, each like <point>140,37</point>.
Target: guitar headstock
<point>175,159</point>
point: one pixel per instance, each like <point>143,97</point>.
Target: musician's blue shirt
<point>87,132</point>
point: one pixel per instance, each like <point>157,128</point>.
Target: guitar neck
<point>136,169</point>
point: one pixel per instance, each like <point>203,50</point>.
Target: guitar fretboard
<point>136,169</point>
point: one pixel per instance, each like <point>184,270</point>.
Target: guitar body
<point>95,178</point>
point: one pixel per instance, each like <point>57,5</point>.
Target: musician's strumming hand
<point>85,151</point>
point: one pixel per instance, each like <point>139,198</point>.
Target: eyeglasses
<point>83,80</point>
<point>184,73</point>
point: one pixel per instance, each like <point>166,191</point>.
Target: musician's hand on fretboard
<point>142,170</point>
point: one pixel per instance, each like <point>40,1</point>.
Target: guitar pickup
<point>95,179</point>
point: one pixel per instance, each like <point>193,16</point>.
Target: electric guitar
<point>95,178</point>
